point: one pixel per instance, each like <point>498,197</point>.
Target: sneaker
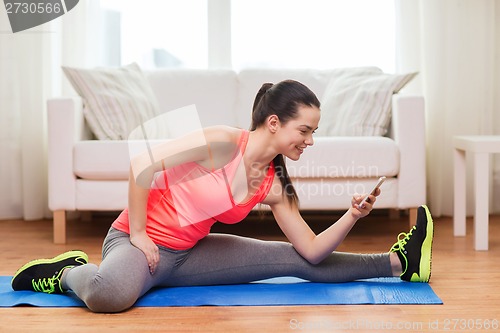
<point>414,248</point>
<point>44,275</point>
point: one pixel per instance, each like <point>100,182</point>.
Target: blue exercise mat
<point>277,291</point>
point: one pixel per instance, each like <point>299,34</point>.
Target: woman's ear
<point>273,123</point>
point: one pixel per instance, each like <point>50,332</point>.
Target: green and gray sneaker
<point>44,275</point>
<point>414,248</point>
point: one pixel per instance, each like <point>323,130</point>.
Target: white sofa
<point>91,175</point>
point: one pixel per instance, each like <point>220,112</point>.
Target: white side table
<point>480,148</point>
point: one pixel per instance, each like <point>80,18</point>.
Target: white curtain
<point>29,74</point>
<point>455,45</point>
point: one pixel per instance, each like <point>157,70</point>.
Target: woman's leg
<point>122,277</point>
<point>228,259</point>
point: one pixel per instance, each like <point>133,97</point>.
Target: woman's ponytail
<point>256,117</point>
<point>286,183</point>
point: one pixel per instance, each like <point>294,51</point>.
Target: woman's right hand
<point>144,243</point>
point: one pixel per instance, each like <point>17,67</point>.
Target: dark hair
<point>282,99</point>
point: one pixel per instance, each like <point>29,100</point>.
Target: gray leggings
<point>123,275</point>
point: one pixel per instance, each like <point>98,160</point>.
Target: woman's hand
<point>359,210</point>
<point>142,241</point>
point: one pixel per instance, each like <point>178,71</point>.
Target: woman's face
<point>297,133</point>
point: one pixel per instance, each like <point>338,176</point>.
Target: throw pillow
<point>116,100</point>
<point>358,103</point>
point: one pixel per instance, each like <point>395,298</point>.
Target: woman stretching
<point>180,188</point>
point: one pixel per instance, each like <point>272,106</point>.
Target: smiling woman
<point>288,107</point>
<point>163,237</point>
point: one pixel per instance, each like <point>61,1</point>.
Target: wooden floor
<point>467,281</point>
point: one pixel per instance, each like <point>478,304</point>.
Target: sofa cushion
<point>347,157</point>
<point>250,81</point>
<point>213,93</point>
<point>101,159</point>
<point>359,157</point>
<point>116,100</point>
<point>357,102</point>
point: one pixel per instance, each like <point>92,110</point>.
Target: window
<point>313,33</point>
<point>159,33</point>
<point>264,33</point>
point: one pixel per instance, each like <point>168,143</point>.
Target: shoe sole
<point>426,250</point>
<point>61,257</point>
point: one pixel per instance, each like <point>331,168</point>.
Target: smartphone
<point>380,181</point>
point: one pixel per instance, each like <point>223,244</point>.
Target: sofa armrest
<point>65,127</point>
<point>408,130</point>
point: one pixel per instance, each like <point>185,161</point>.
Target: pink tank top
<point>186,200</point>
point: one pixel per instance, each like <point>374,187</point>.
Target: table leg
<point>481,189</point>
<point>459,204</point>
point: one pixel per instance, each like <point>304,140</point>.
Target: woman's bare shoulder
<point>222,134</point>
<point>222,142</point>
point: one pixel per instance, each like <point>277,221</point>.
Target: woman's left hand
<point>359,210</point>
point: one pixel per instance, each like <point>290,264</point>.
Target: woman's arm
<point>314,248</point>
<point>137,203</point>
<point>208,147</point>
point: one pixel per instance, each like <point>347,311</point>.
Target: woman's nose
<point>309,141</point>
